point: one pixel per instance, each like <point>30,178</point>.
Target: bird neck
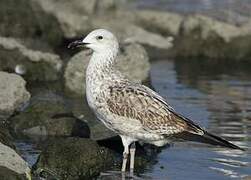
<point>101,64</point>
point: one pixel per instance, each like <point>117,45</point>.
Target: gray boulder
<point>133,61</point>
<point>48,115</point>
<point>5,137</point>
<point>7,174</point>
<point>26,19</point>
<point>202,36</point>
<point>33,65</point>
<point>73,158</point>
<point>208,26</point>
<point>164,23</point>
<point>12,166</point>
<point>72,16</point>
<point>132,33</point>
<point>13,94</point>
<point>79,17</point>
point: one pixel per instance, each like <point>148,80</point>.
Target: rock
<point>33,65</point>
<point>25,19</point>
<point>79,17</point>
<point>108,6</point>
<point>100,132</point>
<point>197,35</point>
<point>13,94</point>
<point>202,36</point>
<point>133,33</point>
<point>72,16</point>
<point>164,23</point>
<point>74,74</point>
<point>208,26</point>
<point>5,137</point>
<point>73,158</point>
<point>6,174</point>
<point>48,115</point>
<point>12,165</point>
<point>81,110</point>
<point>133,61</point>
<point>75,17</point>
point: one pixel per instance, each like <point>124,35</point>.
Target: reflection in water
<point>218,97</point>
<point>117,175</point>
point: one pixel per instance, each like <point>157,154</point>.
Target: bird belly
<point>131,128</point>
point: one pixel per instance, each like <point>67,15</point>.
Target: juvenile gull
<point>132,110</point>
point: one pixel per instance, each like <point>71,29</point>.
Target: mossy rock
<point>7,174</point>
<point>73,158</point>
<point>39,120</point>
<point>5,136</point>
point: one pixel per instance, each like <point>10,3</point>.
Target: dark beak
<point>77,43</point>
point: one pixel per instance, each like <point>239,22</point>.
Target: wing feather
<point>136,101</point>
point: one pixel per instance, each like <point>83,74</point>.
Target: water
<point>219,101</point>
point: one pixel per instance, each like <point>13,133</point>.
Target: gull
<point>132,110</point>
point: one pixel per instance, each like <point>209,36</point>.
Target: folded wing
<point>136,101</point>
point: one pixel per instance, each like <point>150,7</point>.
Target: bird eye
<point>99,37</point>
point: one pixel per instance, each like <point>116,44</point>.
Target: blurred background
<point>195,53</point>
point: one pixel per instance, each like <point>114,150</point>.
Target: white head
<point>99,40</point>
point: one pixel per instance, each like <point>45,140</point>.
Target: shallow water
<point>219,101</point>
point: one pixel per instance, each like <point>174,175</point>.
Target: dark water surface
<point>216,97</point>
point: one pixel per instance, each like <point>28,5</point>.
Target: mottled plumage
<point>132,110</point>
<point>135,101</point>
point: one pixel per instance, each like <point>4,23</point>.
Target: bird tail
<point>209,138</point>
<point>219,141</point>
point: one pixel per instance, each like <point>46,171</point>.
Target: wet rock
<point>81,110</point>
<point>13,94</point>
<point>48,115</point>
<point>133,61</point>
<point>25,19</point>
<point>6,174</point>
<point>33,65</point>
<point>5,137</point>
<point>12,165</point>
<point>100,132</point>
<point>73,158</point>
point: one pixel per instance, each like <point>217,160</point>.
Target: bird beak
<point>77,43</point>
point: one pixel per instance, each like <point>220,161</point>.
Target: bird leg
<point>125,156</point>
<point>132,156</point>
<point>126,144</point>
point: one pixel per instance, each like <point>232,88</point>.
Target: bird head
<point>99,40</point>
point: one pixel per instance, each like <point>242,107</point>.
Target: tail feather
<point>208,138</point>
<point>220,141</point>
